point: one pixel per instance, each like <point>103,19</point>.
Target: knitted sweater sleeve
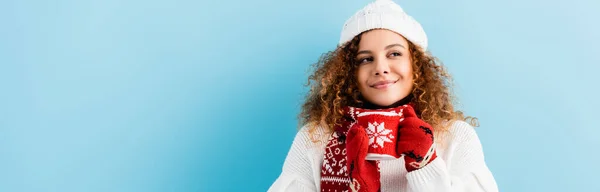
<point>296,174</point>
<point>461,168</point>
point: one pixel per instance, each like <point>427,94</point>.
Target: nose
<point>381,67</point>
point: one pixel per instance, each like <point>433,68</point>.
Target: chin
<point>385,102</point>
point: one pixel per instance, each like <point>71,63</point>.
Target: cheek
<point>404,69</point>
<point>361,76</point>
<point>407,72</point>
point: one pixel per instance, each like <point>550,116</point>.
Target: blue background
<point>185,95</point>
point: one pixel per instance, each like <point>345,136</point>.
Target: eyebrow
<point>386,47</point>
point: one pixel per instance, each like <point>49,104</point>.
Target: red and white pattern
<point>378,134</point>
<point>380,126</point>
<point>415,140</point>
<point>334,173</point>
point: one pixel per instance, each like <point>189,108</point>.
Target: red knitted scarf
<point>337,170</point>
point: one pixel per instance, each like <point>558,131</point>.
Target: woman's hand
<point>415,140</point>
<point>364,173</point>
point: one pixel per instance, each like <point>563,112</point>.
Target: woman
<point>382,66</point>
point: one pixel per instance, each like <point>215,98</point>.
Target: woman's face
<point>385,73</point>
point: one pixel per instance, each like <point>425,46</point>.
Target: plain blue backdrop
<point>185,95</point>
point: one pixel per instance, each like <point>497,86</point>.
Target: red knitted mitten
<point>364,173</point>
<point>415,140</point>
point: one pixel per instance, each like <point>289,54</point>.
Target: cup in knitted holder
<point>381,127</point>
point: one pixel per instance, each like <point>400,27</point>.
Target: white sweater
<point>460,165</point>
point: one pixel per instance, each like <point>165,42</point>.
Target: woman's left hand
<point>415,140</point>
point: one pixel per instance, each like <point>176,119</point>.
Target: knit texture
<point>415,140</point>
<point>363,173</point>
<point>459,166</point>
<point>384,14</point>
<point>361,132</point>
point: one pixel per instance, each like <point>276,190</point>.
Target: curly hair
<point>333,85</point>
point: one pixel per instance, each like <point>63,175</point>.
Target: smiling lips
<point>383,84</point>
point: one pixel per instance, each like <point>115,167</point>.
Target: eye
<point>395,54</point>
<point>365,60</point>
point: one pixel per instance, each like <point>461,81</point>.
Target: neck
<point>369,105</point>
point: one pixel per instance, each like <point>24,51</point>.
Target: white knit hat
<point>384,14</point>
